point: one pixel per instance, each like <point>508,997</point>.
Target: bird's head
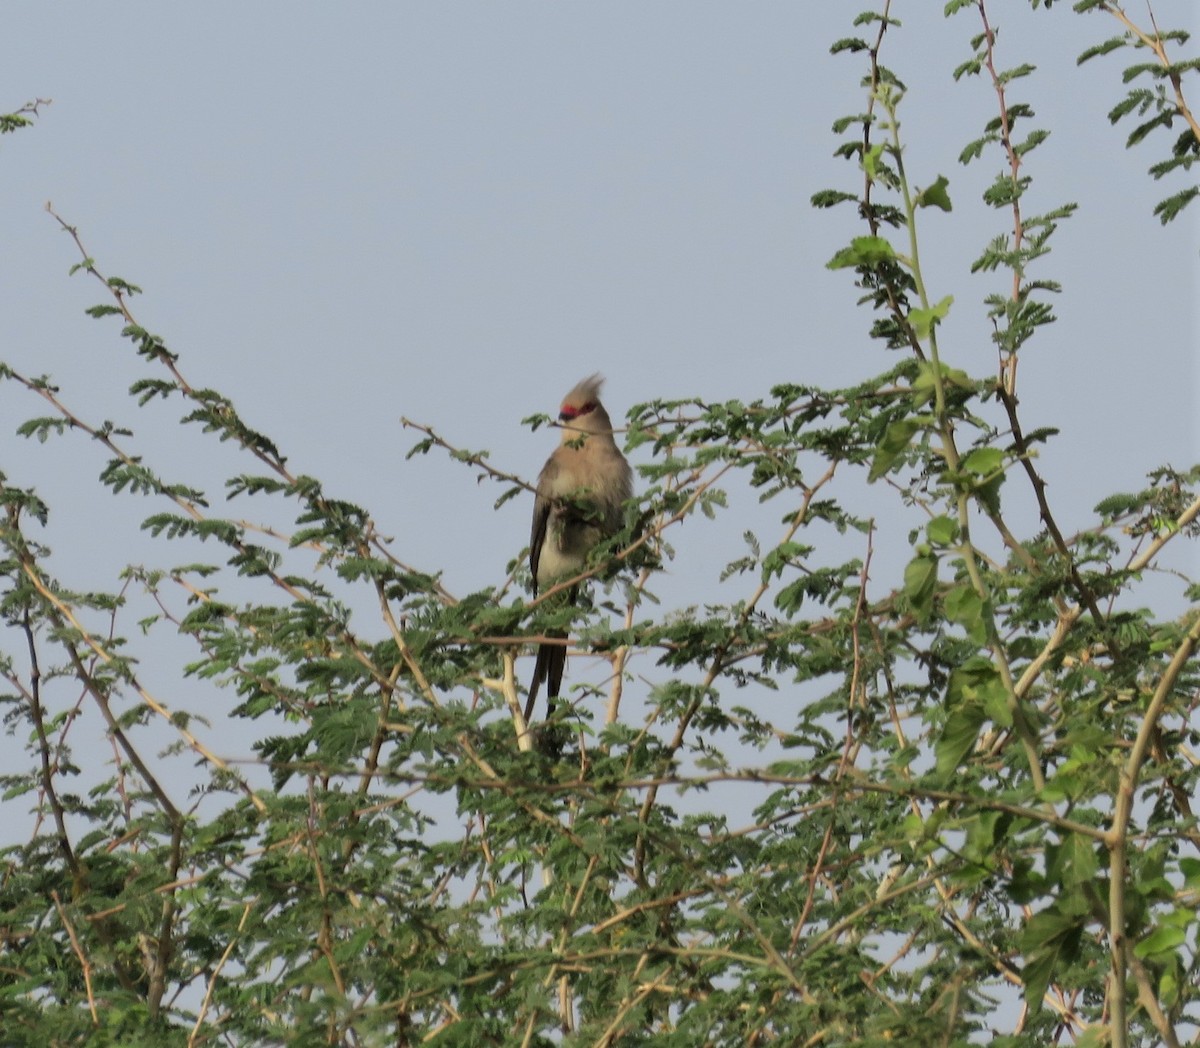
<point>582,412</point>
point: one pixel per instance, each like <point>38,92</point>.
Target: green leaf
<point>1109,45</point>
<point>863,251</point>
<point>1077,863</point>
<point>977,680</point>
<point>1190,868</point>
<point>870,160</point>
<point>1169,209</point>
<point>958,738</point>
<point>850,43</point>
<point>1050,939</point>
<point>923,320</point>
<point>935,195</point>
<point>942,531</point>
<point>896,440</point>
<point>1164,939</point>
<point>831,198</point>
<point>983,461</point>
<point>964,606</point>
<point>988,493</point>
<point>920,577</point>
<point>925,380</point>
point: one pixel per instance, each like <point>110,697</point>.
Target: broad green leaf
<point>1164,939</point>
<point>863,251</point>
<point>926,378</point>
<point>988,493</point>
<point>1050,939</point>
<point>958,738</point>
<point>963,605</point>
<point>978,681</point>
<point>920,577</point>
<point>923,320</point>
<point>1190,868</point>
<point>942,531</point>
<point>896,440</point>
<point>983,461</point>
<point>1078,863</point>
<point>935,195</point>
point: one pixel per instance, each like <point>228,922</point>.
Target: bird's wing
<point>541,518</point>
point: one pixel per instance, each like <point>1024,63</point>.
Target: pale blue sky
<point>342,214</point>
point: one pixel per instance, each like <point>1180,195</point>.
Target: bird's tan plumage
<point>581,493</point>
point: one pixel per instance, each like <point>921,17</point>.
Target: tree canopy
<point>944,799</point>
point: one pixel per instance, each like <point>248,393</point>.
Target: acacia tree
<point>971,783</point>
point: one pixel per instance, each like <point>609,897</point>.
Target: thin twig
<point>84,963</point>
<point>194,1036</point>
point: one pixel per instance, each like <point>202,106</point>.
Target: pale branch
<point>66,616</point>
<point>1155,42</point>
<point>1008,367</point>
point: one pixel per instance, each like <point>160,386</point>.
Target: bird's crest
<point>583,398</point>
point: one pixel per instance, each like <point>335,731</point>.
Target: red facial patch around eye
<point>570,411</point>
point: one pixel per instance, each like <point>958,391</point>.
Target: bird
<point>581,493</point>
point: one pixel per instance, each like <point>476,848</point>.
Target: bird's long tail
<point>551,662</point>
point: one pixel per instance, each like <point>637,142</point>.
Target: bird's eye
<point>570,411</point>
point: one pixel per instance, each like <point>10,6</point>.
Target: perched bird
<point>581,493</point>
